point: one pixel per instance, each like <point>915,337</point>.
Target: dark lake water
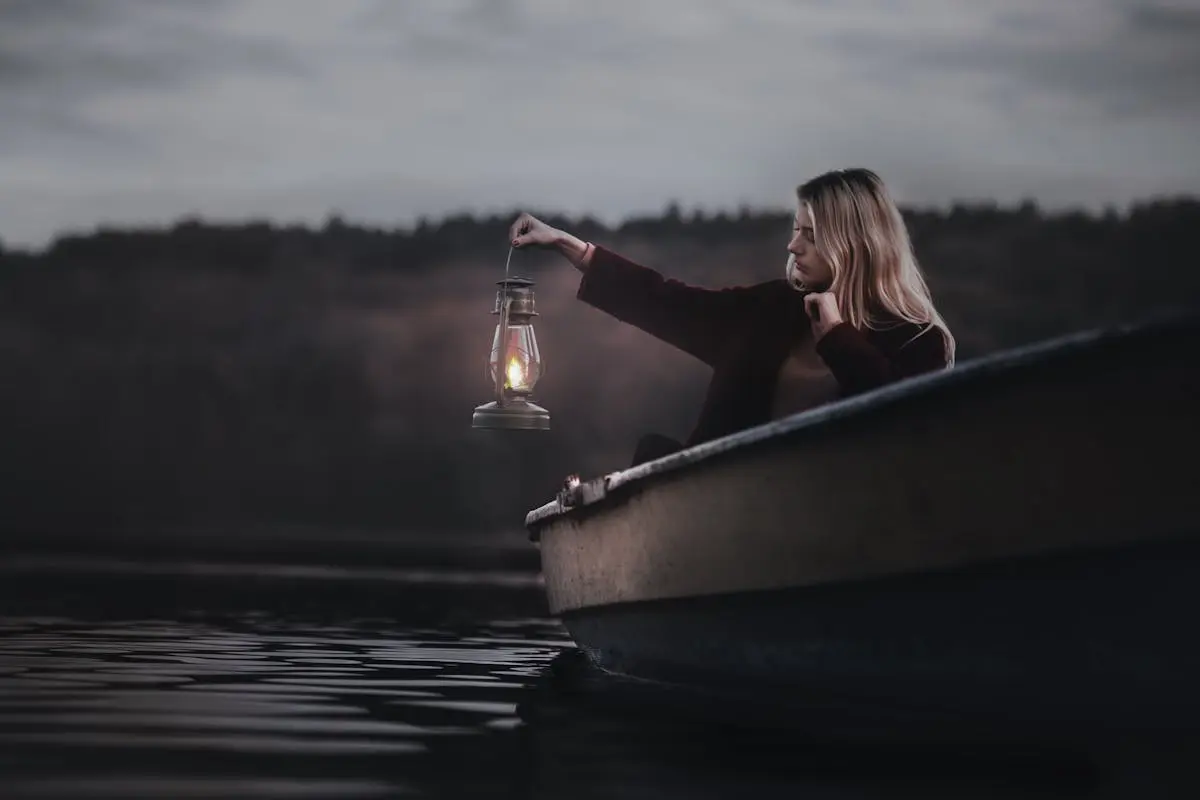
<point>128,679</point>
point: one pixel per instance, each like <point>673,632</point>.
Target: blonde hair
<point>861,235</point>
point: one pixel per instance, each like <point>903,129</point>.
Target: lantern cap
<point>519,293</point>
<point>516,414</point>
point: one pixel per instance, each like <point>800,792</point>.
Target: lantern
<point>515,363</point>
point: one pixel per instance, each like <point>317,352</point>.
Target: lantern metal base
<point>514,415</point>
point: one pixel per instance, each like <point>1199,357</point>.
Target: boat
<point>1015,539</point>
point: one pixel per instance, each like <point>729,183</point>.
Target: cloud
<point>131,110</point>
<point>63,64</point>
<point>1113,59</point>
<point>124,45</point>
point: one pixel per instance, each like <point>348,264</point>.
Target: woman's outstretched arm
<point>694,319</point>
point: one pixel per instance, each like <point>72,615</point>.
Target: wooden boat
<point>1017,537</point>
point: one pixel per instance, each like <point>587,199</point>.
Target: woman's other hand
<point>822,309</point>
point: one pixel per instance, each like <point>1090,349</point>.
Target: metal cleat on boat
<point>576,492</point>
<point>570,493</point>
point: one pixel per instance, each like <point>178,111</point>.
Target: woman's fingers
<point>812,306</point>
<point>521,232</point>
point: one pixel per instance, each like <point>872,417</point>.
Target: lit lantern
<point>515,363</point>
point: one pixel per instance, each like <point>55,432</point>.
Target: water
<point>260,706</point>
<point>127,680</point>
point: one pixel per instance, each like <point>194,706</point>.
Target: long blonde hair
<point>861,235</point>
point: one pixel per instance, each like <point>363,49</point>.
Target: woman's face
<point>812,268</point>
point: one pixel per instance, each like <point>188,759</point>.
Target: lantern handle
<point>500,368</point>
<point>503,355</point>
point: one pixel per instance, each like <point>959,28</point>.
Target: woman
<point>851,313</point>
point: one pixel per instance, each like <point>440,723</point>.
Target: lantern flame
<point>516,374</point>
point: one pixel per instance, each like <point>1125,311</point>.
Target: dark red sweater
<point>744,333</point>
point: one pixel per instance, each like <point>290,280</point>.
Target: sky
<point>134,112</point>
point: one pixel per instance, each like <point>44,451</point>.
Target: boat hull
<point>1017,533</point>
<point>1074,642</point>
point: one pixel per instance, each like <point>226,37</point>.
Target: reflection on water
<point>178,703</point>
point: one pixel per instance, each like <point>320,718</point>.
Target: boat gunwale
<point>612,487</point>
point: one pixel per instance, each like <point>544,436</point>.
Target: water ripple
<point>262,706</point>
<point>114,697</point>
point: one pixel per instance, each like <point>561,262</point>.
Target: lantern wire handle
<point>500,365</point>
<point>500,368</point>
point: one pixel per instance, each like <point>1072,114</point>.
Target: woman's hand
<point>529,231</point>
<point>822,309</point>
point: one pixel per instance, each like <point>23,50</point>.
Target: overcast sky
<point>132,111</point>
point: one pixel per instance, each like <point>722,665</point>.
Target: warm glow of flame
<point>516,374</point>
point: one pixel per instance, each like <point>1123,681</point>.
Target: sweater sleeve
<point>692,318</point>
<point>860,365</point>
